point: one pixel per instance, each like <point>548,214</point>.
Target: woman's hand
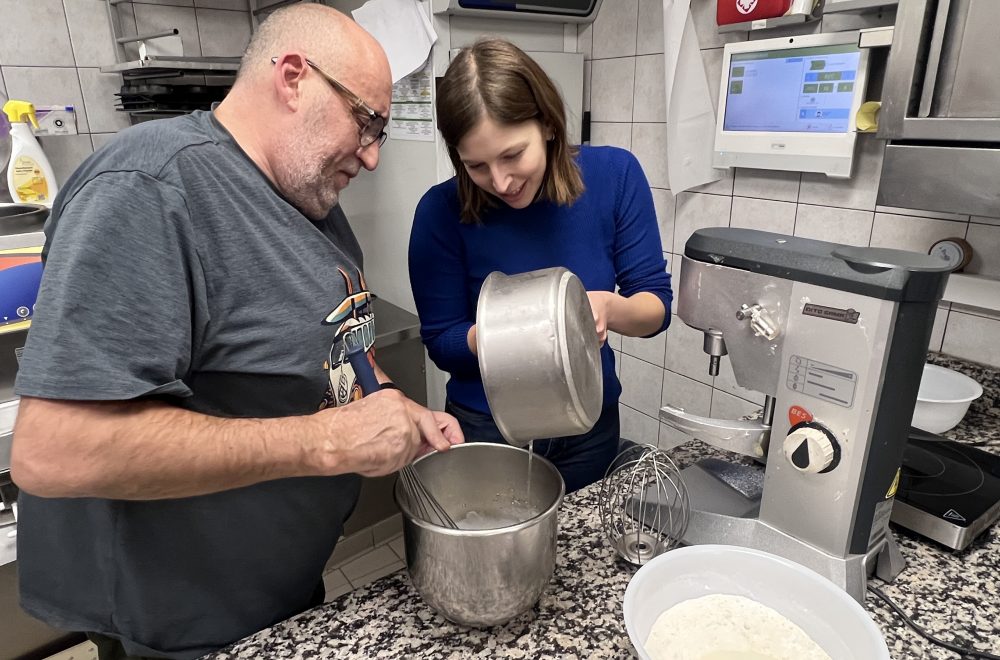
<point>602,302</point>
<point>470,339</point>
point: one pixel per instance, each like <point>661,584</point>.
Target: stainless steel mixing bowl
<point>539,355</point>
<point>484,577</point>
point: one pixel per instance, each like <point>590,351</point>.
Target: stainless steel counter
<point>393,324</point>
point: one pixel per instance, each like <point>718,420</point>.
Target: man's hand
<point>381,433</point>
<point>148,450</point>
<point>450,429</point>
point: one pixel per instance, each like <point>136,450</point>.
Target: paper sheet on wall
<point>403,29</point>
<point>412,115</point>
<point>690,116</point>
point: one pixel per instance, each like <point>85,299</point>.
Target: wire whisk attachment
<point>643,504</point>
<point>423,503</point>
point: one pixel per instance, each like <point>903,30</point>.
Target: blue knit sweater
<point>608,237</point>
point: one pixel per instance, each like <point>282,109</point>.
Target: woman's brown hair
<point>497,79</point>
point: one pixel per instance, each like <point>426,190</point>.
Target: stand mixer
<point>836,338</point>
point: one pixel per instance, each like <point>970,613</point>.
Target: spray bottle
<point>29,175</point>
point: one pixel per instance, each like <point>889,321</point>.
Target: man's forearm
<point>146,450</point>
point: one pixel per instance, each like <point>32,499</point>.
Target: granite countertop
<point>954,595</point>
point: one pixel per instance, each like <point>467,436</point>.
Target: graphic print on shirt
<point>354,317</point>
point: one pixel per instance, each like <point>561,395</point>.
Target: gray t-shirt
<point>175,271</point>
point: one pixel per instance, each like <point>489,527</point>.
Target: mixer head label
<point>832,313</point>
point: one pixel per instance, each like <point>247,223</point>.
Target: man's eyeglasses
<point>373,129</point>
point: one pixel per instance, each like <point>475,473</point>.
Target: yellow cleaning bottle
<point>29,174</point>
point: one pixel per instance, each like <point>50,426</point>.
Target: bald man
<point>190,432</point>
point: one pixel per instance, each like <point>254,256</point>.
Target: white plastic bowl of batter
<point>827,614</point>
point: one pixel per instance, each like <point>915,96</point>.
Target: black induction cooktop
<point>948,491</point>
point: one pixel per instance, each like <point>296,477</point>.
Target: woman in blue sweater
<point>524,199</point>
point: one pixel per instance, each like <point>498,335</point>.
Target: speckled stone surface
<point>981,425</point>
<point>954,595</point>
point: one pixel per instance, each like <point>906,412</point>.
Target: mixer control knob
<point>811,448</point>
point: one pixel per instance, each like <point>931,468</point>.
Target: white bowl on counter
<point>944,397</point>
<point>824,611</point>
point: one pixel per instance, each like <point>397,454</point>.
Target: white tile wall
<point>985,240</point>
<point>698,210</point>
<point>763,214</point>
<point>624,47</point>
<point>99,91</point>
<point>711,59</point>
<point>685,352</point>
<point>766,184</point>
<point>663,202</point>
<point>723,186</point>
<point>649,143</point>
<point>685,393</point>
<point>615,341</point>
<point>616,80</point>
<point>650,86</point>
<point>910,233</point>
<point>859,191</point>
<point>233,5</point>
<point>90,32</point>
<point>636,426</point>
<point>727,406</point>
<point>611,134</point>
<point>43,85</point>
<point>642,383</point>
<point>651,350</point>
<point>177,3</point>
<point>51,52</point>
<point>615,29</point>
<point>34,34</point>
<point>100,139</point>
<point>972,337</point>
<point>156,18</point>
<point>829,223</point>
<point>65,152</point>
<point>650,31</point>
<point>220,35</point>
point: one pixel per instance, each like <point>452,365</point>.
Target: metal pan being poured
<point>539,355</point>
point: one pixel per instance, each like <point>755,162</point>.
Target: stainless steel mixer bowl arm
<point>749,438</point>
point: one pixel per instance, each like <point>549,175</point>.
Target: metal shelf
<point>768,23</point>
<point>159,66</point>
<point>834,6</point>
<point>181,65</point>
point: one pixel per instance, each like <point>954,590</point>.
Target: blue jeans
<point>580,459</point>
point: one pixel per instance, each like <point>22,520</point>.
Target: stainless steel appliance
<point>539,355</point>
<point>948,491</point>
<point>499,561</point>
<point>835,337</point>
<point>941,108</point>
<point>21,240</point>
